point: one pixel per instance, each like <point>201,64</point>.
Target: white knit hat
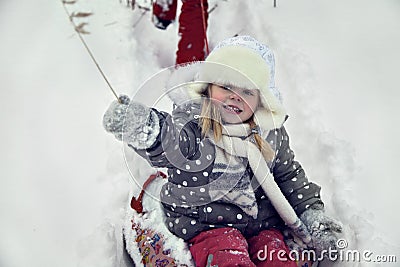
<point>241,62</point>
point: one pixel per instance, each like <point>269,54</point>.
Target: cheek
<point>217,98</point>
<point>252,105</point>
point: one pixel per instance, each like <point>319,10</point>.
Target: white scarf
<point>232,143</point>
<point>231,182</point>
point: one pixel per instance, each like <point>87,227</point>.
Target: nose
<point>235,96</point>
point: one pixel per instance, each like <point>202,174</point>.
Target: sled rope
<point>204,26</point>
<point>79,31</point>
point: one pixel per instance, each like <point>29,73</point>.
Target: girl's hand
<point>323,230</point>
<point>132,123</point>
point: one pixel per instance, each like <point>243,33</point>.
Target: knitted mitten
<point>132,123</point>
<point>322,228</point>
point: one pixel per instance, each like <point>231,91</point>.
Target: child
<point>233,184</point>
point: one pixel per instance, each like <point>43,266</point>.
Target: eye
<point>248,92</point>
<point>226,87</point>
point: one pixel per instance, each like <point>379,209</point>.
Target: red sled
<point>147,240</point>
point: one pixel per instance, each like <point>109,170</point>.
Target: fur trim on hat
<point>237,66</point>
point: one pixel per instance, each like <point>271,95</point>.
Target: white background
<point>63,181</point>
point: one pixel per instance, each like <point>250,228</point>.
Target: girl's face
<point>236,105</point>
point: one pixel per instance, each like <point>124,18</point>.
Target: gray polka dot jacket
<point>191,164</point>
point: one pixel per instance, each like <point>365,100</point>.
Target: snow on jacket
<point>190,160</point>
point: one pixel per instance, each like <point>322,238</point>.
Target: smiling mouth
<point>233,109</point>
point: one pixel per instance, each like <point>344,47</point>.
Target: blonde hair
<point>266,150</point>
<point>210,120</point>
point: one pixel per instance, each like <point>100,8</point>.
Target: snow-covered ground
<point>64,182</point>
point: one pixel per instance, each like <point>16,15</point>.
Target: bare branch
<point>81,14</point>
<point>69,2</point>
<point>79,28</point>
<point>213,8</point>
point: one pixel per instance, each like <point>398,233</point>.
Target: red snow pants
<point>192,26</point>
<point>192,31</point>
<point>164,11</point>
<point>227,247</point>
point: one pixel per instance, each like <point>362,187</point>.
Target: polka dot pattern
<point>188,181</point>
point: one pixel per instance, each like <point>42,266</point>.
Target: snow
<point>64,180</point>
